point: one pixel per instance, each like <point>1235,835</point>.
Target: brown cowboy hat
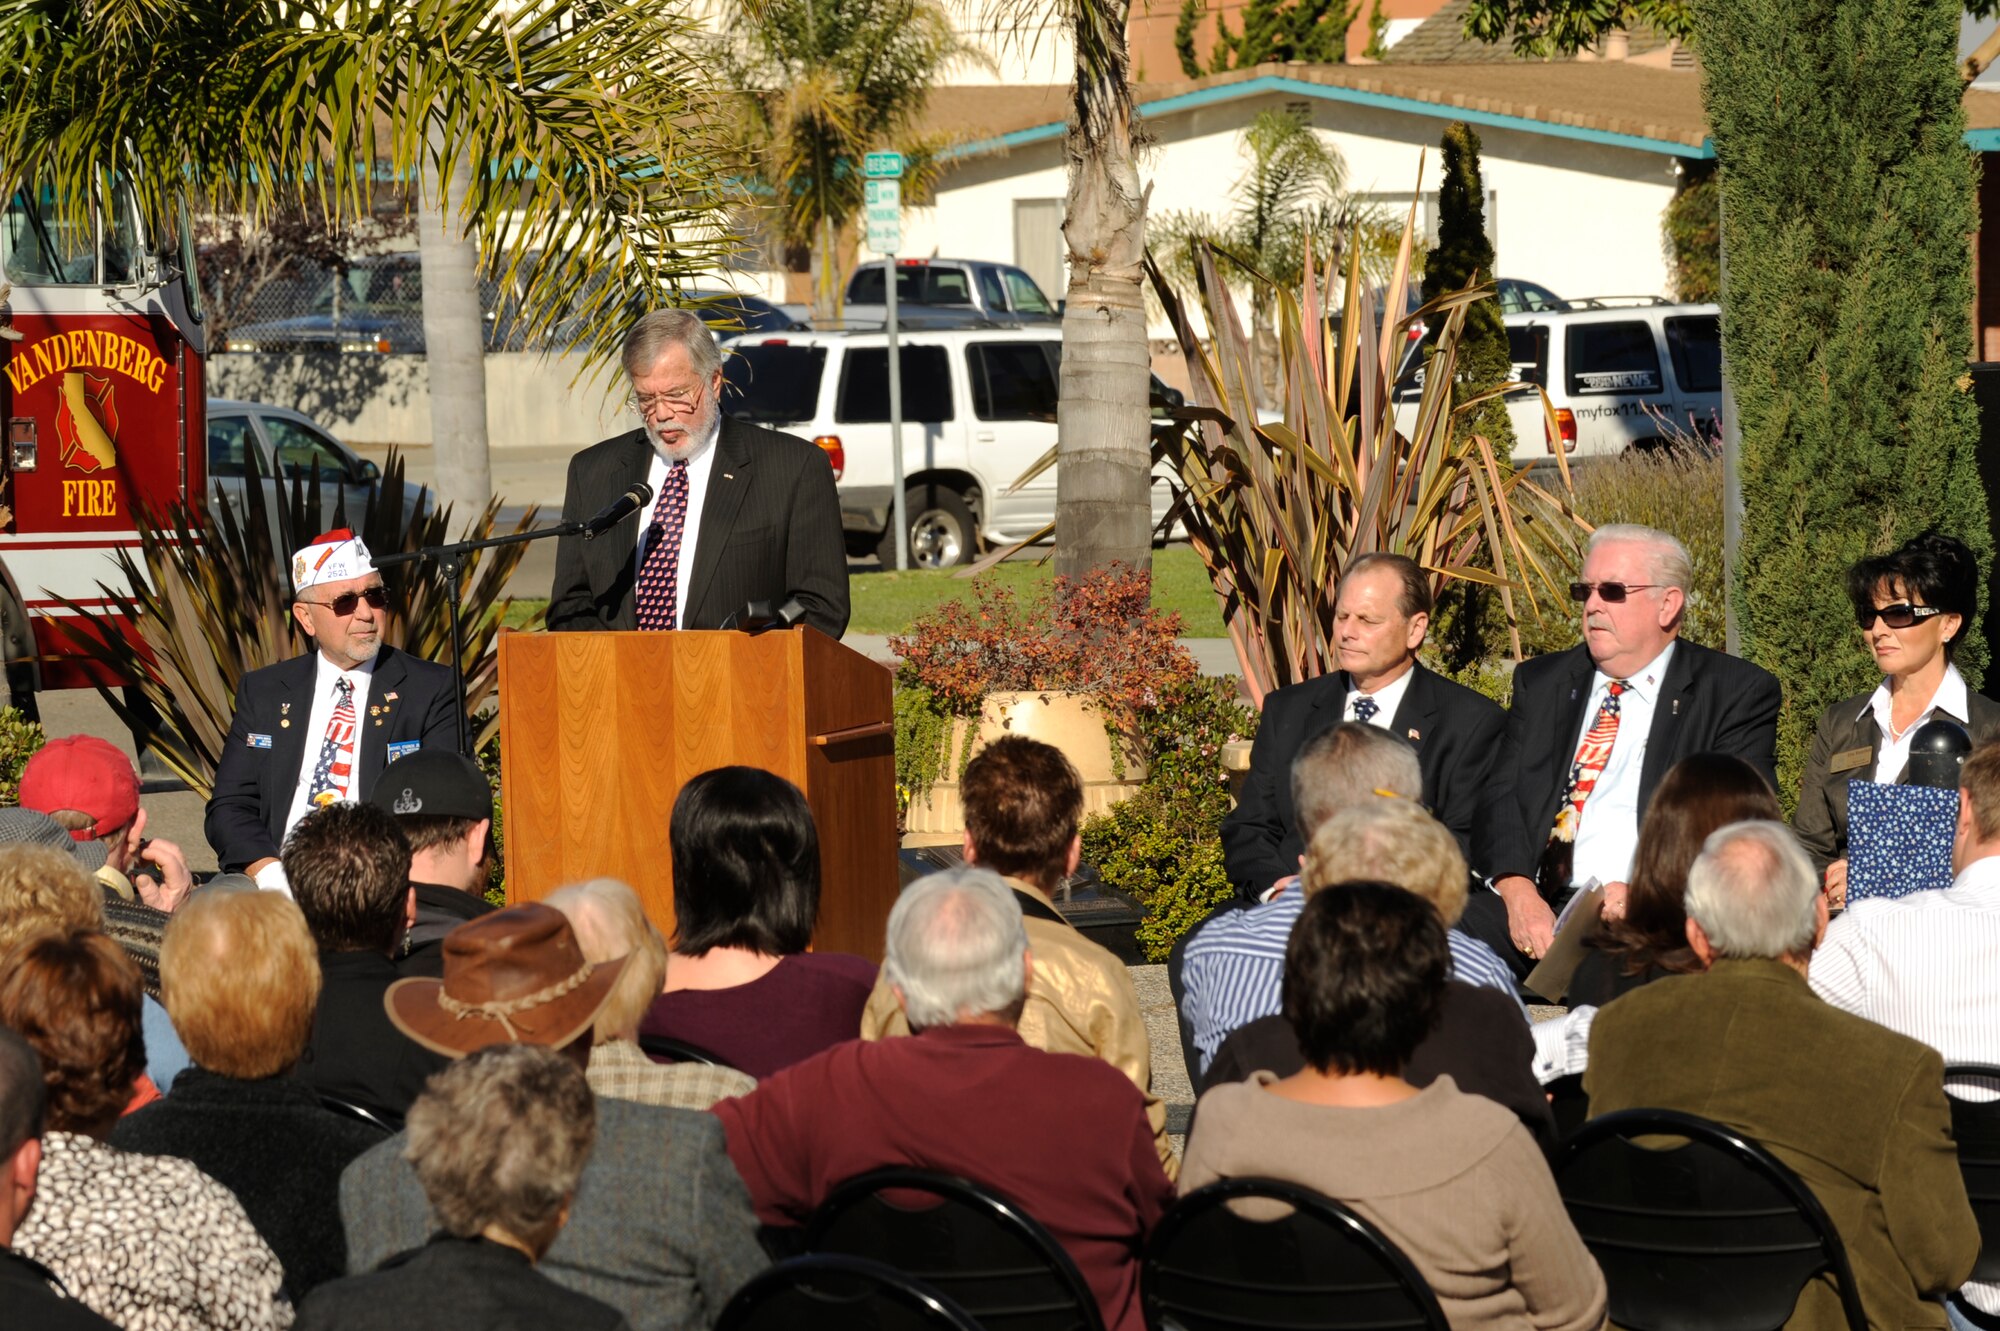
<point>515,976</point>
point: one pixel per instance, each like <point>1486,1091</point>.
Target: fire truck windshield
<point>39,246</point>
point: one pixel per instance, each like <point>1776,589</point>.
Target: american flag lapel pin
<point>1677,707</point>
<point>1414,735</point>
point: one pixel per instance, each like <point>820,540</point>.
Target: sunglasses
<point>1898,616</point>
<point>1611,592</point>
<point>344,604</point>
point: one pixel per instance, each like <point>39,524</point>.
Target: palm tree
<point>582,129</point>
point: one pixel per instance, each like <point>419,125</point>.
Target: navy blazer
<point>770,529</point>
<point>254,784</point>
<point>1459,735</point>
<point>1710,702</point>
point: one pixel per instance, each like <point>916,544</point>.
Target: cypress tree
<point>1464,255</point>
<point>1184,30</point>
<point>1848,196</point>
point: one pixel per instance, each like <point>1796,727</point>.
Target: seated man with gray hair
<point>1856,1110</point>
<point>964,1095</point>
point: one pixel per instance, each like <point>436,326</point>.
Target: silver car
<point>288,443</point>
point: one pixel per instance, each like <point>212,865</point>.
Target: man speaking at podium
<point>726,512</point>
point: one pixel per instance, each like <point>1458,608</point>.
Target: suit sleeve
<point>1747,722</point>
<point>1813,819</point>
<point>234,822</point>
<point>1930,1221</point>
<point>572,608</point>
<point>1502,843</point>
<point>1463,798</point>
<point>441,718</point>
<point>816,548</point>
<point>1251,832</point>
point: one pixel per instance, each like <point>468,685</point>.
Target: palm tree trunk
<point>455,346</point>
<point>1103,506</point>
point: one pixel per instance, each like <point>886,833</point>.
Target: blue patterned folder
<point>1898,839</point>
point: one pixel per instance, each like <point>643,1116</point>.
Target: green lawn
<point>887,602</point>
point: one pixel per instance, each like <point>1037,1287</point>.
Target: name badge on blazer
<point>403,748</point>
<point>1849,759</point>
<point>260,741</point>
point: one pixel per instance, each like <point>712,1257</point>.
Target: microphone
<point>619,509</point>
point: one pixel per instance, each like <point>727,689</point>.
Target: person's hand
<point>1614,901</point>
<point>167,891</point>
<point>1836,885</point>
<point>1530,922</point>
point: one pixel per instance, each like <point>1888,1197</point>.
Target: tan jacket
<point>1081,1001</point>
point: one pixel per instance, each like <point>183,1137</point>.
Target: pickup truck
<point>946,292</point>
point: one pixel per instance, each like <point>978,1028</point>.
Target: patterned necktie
<point>659,575</point>
<point>1559,857</point>
<point>1365,708</point>
<point>333,774</point>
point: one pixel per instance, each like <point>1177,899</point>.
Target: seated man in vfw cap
<point>323,726</point>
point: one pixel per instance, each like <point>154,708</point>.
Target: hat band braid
<point>500,1011</point>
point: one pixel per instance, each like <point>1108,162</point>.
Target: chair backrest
<point>1567,1103</point>
<point>963,1239</point>
<point>1714,1232</point>
<point>1975,1126</point>
<point>1290,1258</point>
<point>348,1109</point>
<point>677,1051</point>
<point>836,1293</point>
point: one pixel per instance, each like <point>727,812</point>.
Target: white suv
<point>979,409</point>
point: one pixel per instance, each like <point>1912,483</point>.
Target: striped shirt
<point>1233,967</point>
<point>1926,966</point>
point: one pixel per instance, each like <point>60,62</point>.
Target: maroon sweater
<point>974,1101</point>
<point>802,1005</point>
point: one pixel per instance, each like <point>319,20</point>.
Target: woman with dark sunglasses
<point>1913,605</point>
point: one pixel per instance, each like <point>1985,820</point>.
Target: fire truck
<point>102,391</point>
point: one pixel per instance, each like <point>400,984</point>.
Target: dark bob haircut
<point>75,999</point>
<point>1928,570</point>
<point>746,864</point>
<point>1364,977</point>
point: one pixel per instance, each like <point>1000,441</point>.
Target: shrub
<point>19,738</point>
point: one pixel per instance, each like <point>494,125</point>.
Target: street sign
<point>882,211</point>
<point>882,166</point>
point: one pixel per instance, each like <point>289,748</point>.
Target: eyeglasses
<point>344,604</point>
<point>679,402</point>
<point>1610,592</point>
<point>1898,616</point>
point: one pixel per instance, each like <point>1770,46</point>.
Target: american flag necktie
<point>333,774</point>
<point>659,573</point>
<point>1559,857</point>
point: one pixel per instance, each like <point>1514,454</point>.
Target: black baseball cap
<point>434,783</point>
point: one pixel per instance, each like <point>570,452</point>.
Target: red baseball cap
<point>83,773</point>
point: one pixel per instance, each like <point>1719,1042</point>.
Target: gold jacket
<point>1081,1001</point>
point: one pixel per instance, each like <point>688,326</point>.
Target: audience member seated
<point>145,1241</point>
<point>660,1227</point>
<point>349,869</point>
<point>1478,1040</point>
<point>610,923</point>
<point>30,1294</point>
<point>1924,965</point>
<point>43,887</point>
<point>1065,1138</point>
<point>1698,794</point>
<point>497,1142</point>
<point>241,983</point>
<point>443,803</point>
<point>92,791</point>
<point>1023,805</point>
<point>1452,1179</point>
<point>1856,1110</point>
<point>1231,967</point>
<point>741,984</point>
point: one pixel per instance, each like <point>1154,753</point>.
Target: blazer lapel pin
<point>1413,734</point>
<point>284,716</point>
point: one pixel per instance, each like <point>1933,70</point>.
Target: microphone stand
<point>450,562</point>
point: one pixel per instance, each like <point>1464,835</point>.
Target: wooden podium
<point>599,731</point>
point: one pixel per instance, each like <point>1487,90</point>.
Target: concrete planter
<point>1071,722</point>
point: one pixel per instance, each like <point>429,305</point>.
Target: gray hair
<point>656,331</point>
<point>1341,767</point>
<point>1753,892</point>
<point>1390,841</point>
<point>955,947</point>
<point>500,1138</point>
<point>23,1094</point>
<point>609,923</point>
<point>1672,566</point>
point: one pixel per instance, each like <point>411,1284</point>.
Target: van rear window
<point>1612,358</point>
<point>864,385</point>
<point>1695,343</point>
<point>772,385</point>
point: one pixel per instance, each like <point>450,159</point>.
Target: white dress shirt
<point>1608,834</point>
<point>699,467</point>
<point>326,696</point>
<point>1894,754</point>
<point>1387,699</point>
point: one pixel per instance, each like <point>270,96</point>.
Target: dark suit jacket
<point>1844,729</point>
<point>1460,737</point>
<point>356,1054</point>
<point>254,786</point>
<point>1856,1110</point>
<point>1709,703</point>
<point>450,1283</point>
<point>770,529</point>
